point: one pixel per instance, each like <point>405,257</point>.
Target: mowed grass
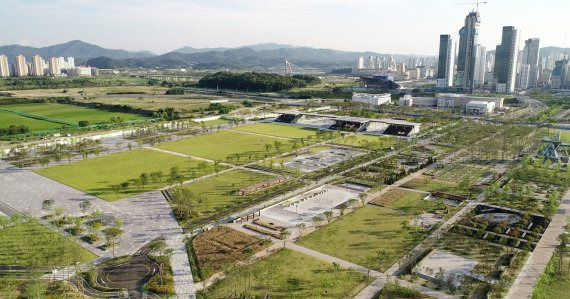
<point>217,194</point>
<point>366,141</point>
<point>565,135</point>
<point>279,130</point>
<point>224,145</point>
<point>31,244</point>
<point>289,274</point>
<point>359,236</point>
<point>402,196</point>
<point>7,119</point>
<point>97,176</point>
<point>71,113</point>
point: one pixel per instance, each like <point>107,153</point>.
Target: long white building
<point>372,99</point>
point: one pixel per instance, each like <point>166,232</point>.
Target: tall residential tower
<point>529,64</point>
<point>20,66</point>
<point>446,63</point>
<point>467,51</point>
<point>4,67</point>
<point>506,61</point>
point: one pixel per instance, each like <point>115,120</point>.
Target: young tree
<point>301,228</point>
<point>144,179</point>
<point>84,206</point>
<point>111,235</point>
<point>47,204</point>
<point>284,234</point>
<point>362,196</point>
<point>329,216</point>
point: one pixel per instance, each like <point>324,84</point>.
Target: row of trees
<point>14,130</point>
<point>253,81</point>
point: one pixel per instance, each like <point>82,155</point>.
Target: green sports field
<point>97,176</point>
<point>7,119</point>
<point>71,113</point>
<point>217,194</point>
<point>289,274</point>
<point>224,145</point>
<point>360,235</point>
<point>279,130</point>
<point>367,141</point>
<point>30,244</point>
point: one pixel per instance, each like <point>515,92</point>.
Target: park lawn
<point>224,145</point>
<point>279,130</point>
<point>31,244</point>
<point>7,119</point>
<point>366,141</point>
<point>425,183</point>
<point>290,274</point>
<point>398,198</point>
<point>97,176</point>
<point>216,195</point>
<point>71,113</point>
<point>551,284</point>
<point>360,235</point>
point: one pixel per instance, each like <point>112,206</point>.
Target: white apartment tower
<point>20,66</point>
<point>480,64</point>
<point>446,63</point>
<point>70,63</point>
<point>37,66</point>
<point>4,67</point>
<point>529,63</point>
<point>54,68</point>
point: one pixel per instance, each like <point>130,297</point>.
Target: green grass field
<point>97,176</point>
<point>360,235</point>
<point>71,113</point>
<point>553,285</point>
<point>279,130</point>
<point>223,144</point>
<point>366,141</point>
<point>289,274</point>
<point>7,119</point>
<point>29,243</point>
<point>217,194</point>
<point>565,135</point>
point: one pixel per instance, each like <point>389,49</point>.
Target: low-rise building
<point>372,99</point>
<point>479,107</point>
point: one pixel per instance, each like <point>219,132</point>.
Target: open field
<point>425,183</point>
<point>7,119</point>
<point>98,176</point>
<point>71,113</point>
<point>221,247</point>
<point>62,87</point>
<point>216,194</point>
<point>224,144</point>
<point>29,243</point>
<point>279,130</point>
<point>396,194</point>
<point>216,122</point>
<point>289,274</point>
<point>366,141</point>
<point>359,236</point>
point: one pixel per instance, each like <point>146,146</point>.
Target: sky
<point>384,26</point>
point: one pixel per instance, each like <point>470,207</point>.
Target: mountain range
<point>77,49</point>
<point>257,56</point>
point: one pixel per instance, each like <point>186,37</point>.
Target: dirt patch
<point>388,197</point>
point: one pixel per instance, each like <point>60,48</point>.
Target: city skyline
<point>230,23</point>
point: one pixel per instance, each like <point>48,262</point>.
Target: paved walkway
<point>536,264</point>
<point>145,216</point>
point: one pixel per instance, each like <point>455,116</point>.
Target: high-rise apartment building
<point>20,66</point>
<point>4,67</point>
<point>70,63</point>
<point>467,51</point>
<point>359,64</point>
<point>506,60</point>
<point>37,68</point>
<point>529,62</point>
<point>54,68</point>
<point>446,61</point>
<point>480,66</point>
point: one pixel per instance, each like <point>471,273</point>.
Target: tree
<point>342,207</point>
<point>144,178</point>
<point>301,228</point>
<point>317,221</point>
<point>85,205</point>
<point>159,245</point>
<point>111,235</point>
<point>328,215</point>
<point>47,204</point>
<point>284,234</point>
<point>362,196</point>
<point>352,202</point>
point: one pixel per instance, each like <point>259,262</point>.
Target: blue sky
<point>385,26</point>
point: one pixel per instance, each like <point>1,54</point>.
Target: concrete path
<point>183,280</point>
<point>538,260</point>
<point>145,216</point>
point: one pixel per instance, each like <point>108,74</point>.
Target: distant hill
<point>245,57</point>
<point>255,47</point>
<point>77,49</point>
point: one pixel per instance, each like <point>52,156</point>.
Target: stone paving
<point>145,216</point>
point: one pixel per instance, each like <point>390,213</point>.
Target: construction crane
<point>475,3</point>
